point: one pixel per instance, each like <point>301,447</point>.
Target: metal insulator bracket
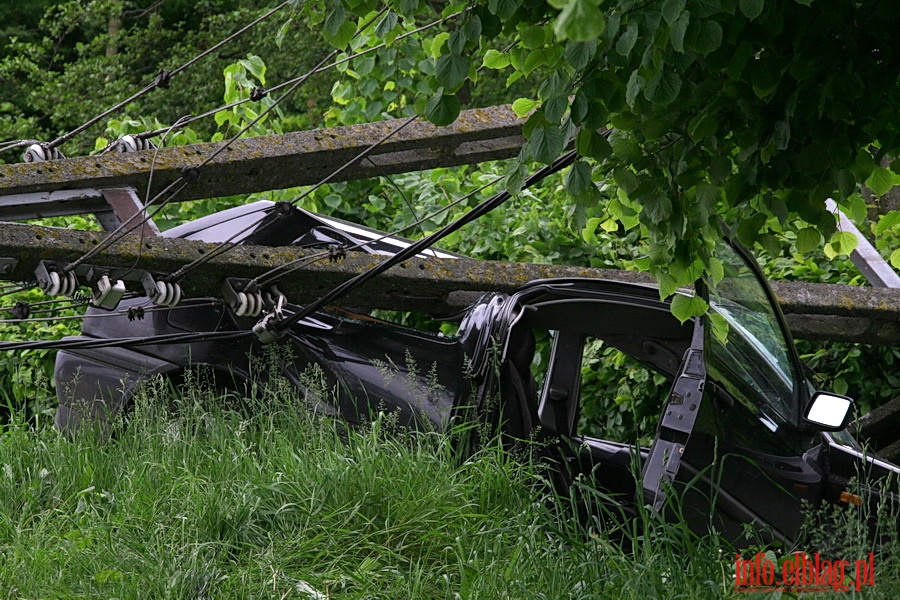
<point>244,298</point>
<point>106,293</point>
<point>54,280</point>
<point>162,293</point>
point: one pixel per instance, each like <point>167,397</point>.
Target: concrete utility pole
<point>113,185</point>
<point>442,286</point>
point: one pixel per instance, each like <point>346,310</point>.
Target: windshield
<point>754,361</point>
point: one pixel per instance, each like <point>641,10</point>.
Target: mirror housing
<point>828,412</point>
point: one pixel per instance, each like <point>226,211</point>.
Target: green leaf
<point>678,29</point>
<point>504,8</point>
<point>579,54</point>
<point>808,240</point>
<point>437,44</point>
<point>708,194</point>
<point>592,144</point>
<point>627,39</point>
<point>442,109</point>
<point>663,87</point>
<point>702,126</point>
<point>887,222</point>
<point>523,106</point>
<point>686,307</point>
<point>625,146</point>
<point>386,25</point>
<point>580,21</point>
<point>555,108</point>
<point>494,59</point>
<point>451,70</point>
<point>667,285</point>
<point>880,181</point>
<point>846,182</point>
<point>635,86</point>
<point>842,242</point>
<point>545,144</point>
<point>895,258</point>
<point>703,37</point>
<point>719,325</point>
<point>578,182</point>
<point>855,208</point>
<point>782,135</point>
<point>336,29</point>
<point>656,208</point>
<point>671,10</point>
<point>751,8</point>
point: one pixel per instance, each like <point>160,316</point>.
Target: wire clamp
<point>243,297</point>
<point>53,280</point>
<point>106,293</point>
<point>162,293</point>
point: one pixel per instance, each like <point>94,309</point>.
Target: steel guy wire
<point>128,342</point>
<point>230,243</point>
<point>410,251</point>
<point>182,181</point>
<point>162,79</point>
<point>319,69</point>
<point>273,275</point>
<point>102,315</point>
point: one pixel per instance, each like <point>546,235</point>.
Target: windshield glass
<point>754,361</point>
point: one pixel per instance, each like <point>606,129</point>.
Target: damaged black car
<point>743,436</point>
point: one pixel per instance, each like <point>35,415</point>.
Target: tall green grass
<point>189,500</point>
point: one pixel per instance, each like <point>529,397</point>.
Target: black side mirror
<point>828,412</point>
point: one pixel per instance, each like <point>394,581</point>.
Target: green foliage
<point>722,107</point>
<point>69,68</point>
<point>200,500</point>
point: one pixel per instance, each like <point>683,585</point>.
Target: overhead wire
<point>162,79</point>
<point>319,69</point>
<point>485,207</point>
<point>182,181</point>
<point>271,276</point>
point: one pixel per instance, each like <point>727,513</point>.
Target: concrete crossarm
<point>279,161</point>
<point>815,311</point>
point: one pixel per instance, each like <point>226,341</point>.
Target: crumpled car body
<point>735,443</point>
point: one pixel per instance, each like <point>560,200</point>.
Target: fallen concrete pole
<point>440,286</point>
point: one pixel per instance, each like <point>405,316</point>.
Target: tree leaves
<point>686,307</point>
<point>451,70</point>
<point>808,239</point>
<point>580,21</point>
<point>663,87</point>
<point>442,109</point>
<point>751,8</point>
<point>545,144</point>
<point>703,37</point>
<point>880,181</point>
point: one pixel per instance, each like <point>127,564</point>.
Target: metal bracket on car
<point>676,424</point>
<point>267,329</point>
<point>243,296</point>
<point>106,292</point>
<point>162,293</point>
<point>54,280</point>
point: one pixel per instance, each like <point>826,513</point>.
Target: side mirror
<point>829,412</point>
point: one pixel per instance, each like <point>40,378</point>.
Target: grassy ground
<point>204,503</point>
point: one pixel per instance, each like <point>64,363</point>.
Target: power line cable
<point>485,207</point>
<point>163,77</point>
